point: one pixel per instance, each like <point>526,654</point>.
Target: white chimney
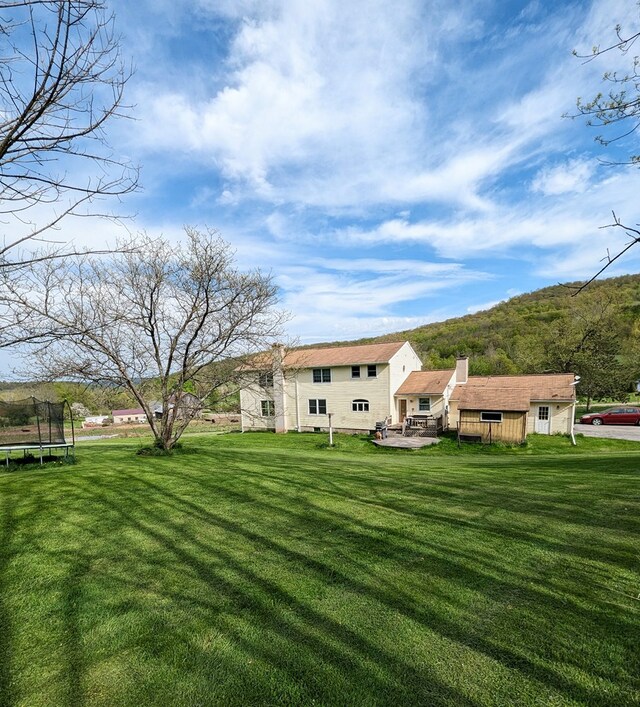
<point>462,369</point>
<point>279,391</point>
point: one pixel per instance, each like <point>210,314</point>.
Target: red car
<point>613,416</point>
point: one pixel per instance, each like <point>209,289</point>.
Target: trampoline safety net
<point>31,422</point>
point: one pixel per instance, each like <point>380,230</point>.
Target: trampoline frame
<point>8,448</point>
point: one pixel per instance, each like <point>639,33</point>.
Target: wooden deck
<point>405,442</point>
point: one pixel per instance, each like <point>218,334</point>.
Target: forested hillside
<point>594,334</point>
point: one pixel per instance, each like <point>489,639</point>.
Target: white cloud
<point>349,105</point>
<point>572,176</point>
<point>482,307</point>
<point>322,327</point>
<point>544,223</point>
<point>349,299</point>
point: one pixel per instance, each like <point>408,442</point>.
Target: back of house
<point>362,385</point>
<point>297,389</point>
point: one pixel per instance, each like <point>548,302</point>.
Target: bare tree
<point>154,320</point>
<point>61,81</point>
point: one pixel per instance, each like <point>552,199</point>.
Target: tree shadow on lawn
<point>9,525</point>
<point>480,495</point>
<point>405,605</point>
<point>325,651</point>
<point>311,650</point>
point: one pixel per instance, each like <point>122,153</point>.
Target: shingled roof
<point>514,393</point>
<point>425,383</point>
<point>329,356</point>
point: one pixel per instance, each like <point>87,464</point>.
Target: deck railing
<point>422,426</point>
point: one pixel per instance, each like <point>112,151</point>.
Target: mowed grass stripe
<point>255,569</point>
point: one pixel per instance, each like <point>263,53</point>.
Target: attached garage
<point>507,408</point>
<point>493,426</point>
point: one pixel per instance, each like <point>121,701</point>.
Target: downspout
<point>573,412</point>
<point>297,406</point>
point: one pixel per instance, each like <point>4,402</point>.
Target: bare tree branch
<point>151,318</point>
<point>620,104</point>
<point>633,233</point>
<point>61,79</point>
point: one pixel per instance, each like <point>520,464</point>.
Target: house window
<point>355,371</point>
<point>360,406</point>
<point>424,404</point>
<point>372,370</point>
<point>317,407</point>
<point>543,412</point>
<point>322,375</point>
<point>490,417</point>
<point>268,408</point>
<point>265,380</point>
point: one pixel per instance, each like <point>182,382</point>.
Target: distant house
<point>95,421</point>
<point>135,415</point>
<point>186,405</point>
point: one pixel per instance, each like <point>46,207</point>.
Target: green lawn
<point>256,569</point>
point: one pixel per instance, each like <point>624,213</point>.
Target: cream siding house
<point>426,393</point>
<point>361,385</point>
<point>296,390</point>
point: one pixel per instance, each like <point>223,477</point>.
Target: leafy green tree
<point>589,341</point>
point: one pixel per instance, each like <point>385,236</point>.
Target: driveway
<point>631,432</point>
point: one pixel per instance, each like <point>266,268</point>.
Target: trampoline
<point>32,424</point>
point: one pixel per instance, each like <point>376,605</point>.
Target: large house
<point>361,385</point>
<point>295,390</point>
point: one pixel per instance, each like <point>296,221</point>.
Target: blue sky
<point>391,164</point>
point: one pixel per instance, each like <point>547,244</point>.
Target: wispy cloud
<point>389,163</point>
<point>571,176</point>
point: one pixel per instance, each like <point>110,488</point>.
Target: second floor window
<point>355,371</point>
<point>322,375</point>
<point>265,379</point>
<point>372,370</point>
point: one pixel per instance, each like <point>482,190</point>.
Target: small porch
<point>414,426</point>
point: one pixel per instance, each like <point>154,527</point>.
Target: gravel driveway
<point>611,431</point>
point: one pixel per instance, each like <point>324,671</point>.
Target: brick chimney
<point>462,369</point>
<point>279,389</point>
